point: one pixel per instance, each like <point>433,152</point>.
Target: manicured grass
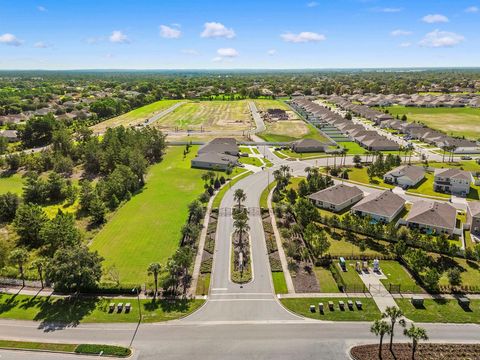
<point>280,154</point>
<point>90,310</point>
<point>345,248</point>
<point>105,350</point>
<point>147,228</point>
<point>353,148</point>
<point>279,283</point>
<point>443,311</point>
<point>425,187</point>
<point>325,280</point>
<point>203,284</point>
<point>29,345</point>
<point>454,121</point>
<point>468,165</point>
<point>136,116</point>
<point>255,150</point>
<point>397,275</point>
<point>264,195</point>
<point>13,184</point>
<point>360,175</point>
<point>209,115</point>
<point>470,272</point>
<point>295,155</point>
<point>265,104</point>
<point>251,161</point>
<point>221,193</point>
<point>301,306</point>
<point>350,277</point>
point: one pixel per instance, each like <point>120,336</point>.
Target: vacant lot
<point>136,116</point>
<point>208,115</point>
<point>147,228</point>
<point>454,121</point>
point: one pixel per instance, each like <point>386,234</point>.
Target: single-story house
<point>432,216</point>
<point>308,145</point>
<point>380,144</point>
<point>221,145</point>
<point>405,175</point>
<point>473,217</point>
<point>213,160</point>
<point>452,181</point>
<point>380,206</point>
<point>337,198</point>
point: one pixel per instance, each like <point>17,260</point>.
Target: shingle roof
<point>474,208</point>
<point>220,145</point>
<point>453,174</point>
<point>433,213</point>
<point>410,171</point>
<point>384,203</point>
<point>337,194</point>
<point>217,158</point>
<point>307,143</point>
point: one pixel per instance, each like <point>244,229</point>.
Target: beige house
<point>452,181</point>
<point>337,198</point>
<point>380,206</point>
<point>473,217</point>
<point>432,217</point>
<point>405,175</point>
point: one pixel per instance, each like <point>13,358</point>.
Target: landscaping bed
<point>241,245</point>
<point>203,283</point>
<point>424,352</point>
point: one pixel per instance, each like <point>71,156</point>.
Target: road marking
<point>220,300</point>
<point>219,289</point>
<point>234,294</point>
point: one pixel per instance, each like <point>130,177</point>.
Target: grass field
<point>454,121</point>
<point>209,115</point>
<point>397,275</point>
<point>136,116</point>
<point>301,306</point>
<point>13,183</point>
<point>353,148</point>
<point>444,311</point>
<point>87,310</point>
<point>279,283</point>
<point>147,228</point>
<point>325,280</point>
<point>251,161</point>
<point>360,175</point>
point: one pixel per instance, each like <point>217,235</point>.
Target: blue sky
<point>153,34</point>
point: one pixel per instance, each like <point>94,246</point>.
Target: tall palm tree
<point>241,225</point>
<point>415,334</point>
<point>39,265</point>
<point>380,328</point>
<point>154,269</point>
<point>239,196</point>
<point>19,257</point>
<point>394,314</point>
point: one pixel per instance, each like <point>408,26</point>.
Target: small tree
<point>39,265</point>
<point>239,196</point>
<point>380,328</point>
<point>154,269</point>
<point>394,314</point>
<point>19,257</point>
<point>357,160</point>
<point>454,277</point>
<point>415,334</point>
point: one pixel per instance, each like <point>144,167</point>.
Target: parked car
<point>465,157</point>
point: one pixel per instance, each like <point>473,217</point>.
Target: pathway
<point>379,293</point>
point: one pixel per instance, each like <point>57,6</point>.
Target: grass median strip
<point>91,349</point>
<point>221,193</point>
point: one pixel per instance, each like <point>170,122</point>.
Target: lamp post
<point>138,301</point>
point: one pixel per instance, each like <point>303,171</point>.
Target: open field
<point>454,121</point>
<point>136,116</point>
<point>147,228</point>
<point>13,183</point>
<point>301,306</point>
<point>442,310</point>
<point>87,310</point>
<point>208,115</point>
<point>265,104</point>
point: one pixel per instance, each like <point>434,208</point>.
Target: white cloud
<point>41,45</point>
<point>216,30</point>
<point>472,9</point>
<point>405,44</point>
<point>390,10</point>
<point>217,59</point>
<point>169,32</point>
<point>227,52</point>
<point>438,39</point>
<point>312,4</point>
<point>435,18</point>
<point>271,52</point>
<point>400,32</point>
<point>190,52</point>
<point>118,37</point>
<point>10,39</point>
<point>304,36</point>
<point>41,8</point>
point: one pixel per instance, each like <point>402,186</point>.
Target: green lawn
<point>397,275</point>
<point>353,148</point>
<point>265,104</point>
<point>468,165</point>
<point>360,175</point>
<point>203,284</point>
<point>295,155</point>
<point>264,195</point>
<point>279,283</point>
<point>88,310</point>
<point>147,228</point>
<point>13,183</point>
<point>221,193</point>
<point>135,116</point>
<point>301,306</point>
<point>251,161</point>
<point>350,277</point>
<point>425,187</point>
<point>470,272</point>
<point>454,121</point>
<point>444,311</point>
<point>325,280</point>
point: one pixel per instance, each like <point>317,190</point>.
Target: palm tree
<point>380,328</point>
<point>19,257</point>
<point>416,334</point>
<point>239,196</point>
<point>241,226</point>
<point>39,265</point>
<point>394,314</point>
<point>154,269</point>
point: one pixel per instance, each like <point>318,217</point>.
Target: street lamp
<point>139,315</point>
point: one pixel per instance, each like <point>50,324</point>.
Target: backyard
<point>147,228</point>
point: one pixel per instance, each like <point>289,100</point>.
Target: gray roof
<point>307,143</point>
<point>216,158</point>
<point>453,174</point>
<point>410,171</point>
<point>11,134</point>
<point>433,213</point>
<point>337,194</point>
<point>220,145</point>
<point>384,203</point>
<point>474,208</point>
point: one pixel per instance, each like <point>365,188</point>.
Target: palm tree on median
<point>154,269</point>
<point>416,334</point>
<point>381,328</point>
<point>239,196</point>
<point>394,314</point>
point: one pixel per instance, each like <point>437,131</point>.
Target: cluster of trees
<point>381,165</point>
<point>315,182</point>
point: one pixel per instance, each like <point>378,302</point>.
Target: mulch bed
<point>428,351</point>
<point>304,279</point>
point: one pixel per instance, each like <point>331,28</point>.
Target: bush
<point>108,350</point>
